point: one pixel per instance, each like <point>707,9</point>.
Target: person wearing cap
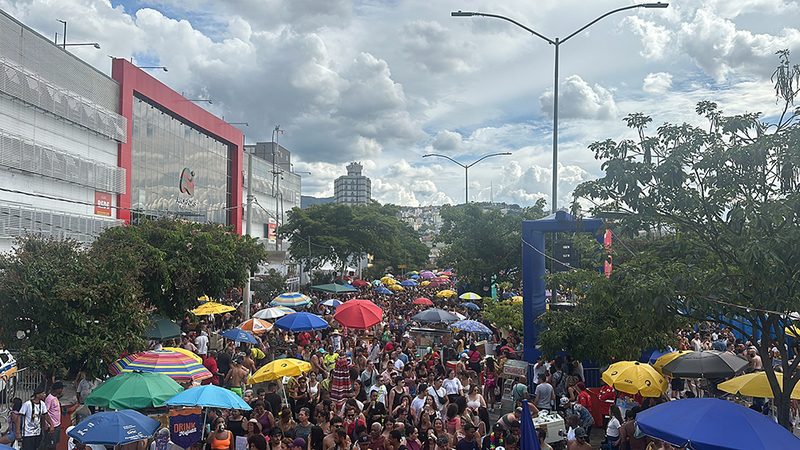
<point>298,444</point>
<point>31,413</point>
<point>468,442</point>
<point>52,434</point>
<point>495,439</point>
<point>579,443</point>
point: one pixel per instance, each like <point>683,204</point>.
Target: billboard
<point>102,204</point>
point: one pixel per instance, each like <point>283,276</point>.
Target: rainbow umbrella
<point>188,353</point>
<point>175,365</point>
<point>290,299</point>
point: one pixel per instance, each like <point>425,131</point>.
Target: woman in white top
<point>474,398</point>
<point>612,430</point>
<point>452,386</point>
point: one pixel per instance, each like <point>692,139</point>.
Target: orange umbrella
<point>256,326</point>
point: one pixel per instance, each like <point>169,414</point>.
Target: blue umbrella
<point>408,283</point>
<point>416,277</point>
<point>302,321</point>
<point>209,396</point>
<point>713,424</point>
<point>471,306</point>
<point>529,440</point>
<point>472,326</point>
<point>658,353</point>
<point>333,303</point>
<point>239,335</point>
<point>113,428</point>
<point>509,295</point>
<point>383,290</point>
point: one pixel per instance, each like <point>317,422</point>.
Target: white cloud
<point>655,38</point>
<point>447,141</point>
<point>579,100</point>
<point>657,83</point>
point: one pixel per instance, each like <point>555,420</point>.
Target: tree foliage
<point>65,306</point>
<point>482,245</point>
<point>727,195</point>
<point>268,286</point>
<point>505,315</point>
<point>181,261</point>
<point>339,233</point>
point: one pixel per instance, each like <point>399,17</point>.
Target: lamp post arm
<point>488,156</point>
<point>624,8</point>
<point>507,19</point>
<point>445,156</point>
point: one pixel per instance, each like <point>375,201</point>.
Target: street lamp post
<point>557,44</point>
<point>466,168</point>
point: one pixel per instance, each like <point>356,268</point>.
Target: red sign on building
<point>102,204</point>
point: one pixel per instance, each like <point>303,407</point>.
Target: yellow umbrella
<point>185,352</point>
<point>792,331</point>
<point>516,299</point>
<point>287,367</point>
<point>425,283</point>
<point>205,299</point>
<point>445,293</point>
<point>634,377</point>
<point>666,359</point>
<point>396,287</point>
<point>212,308</point>
<point>388,281</point>
<point>755,385</point>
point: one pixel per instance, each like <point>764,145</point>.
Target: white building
<point>353,189</point>
<point>59,135</point>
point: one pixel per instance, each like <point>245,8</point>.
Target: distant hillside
<point>307,200</point>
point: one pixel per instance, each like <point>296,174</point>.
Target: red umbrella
<point>423,301</point>
<point>359,283</point>
<point>359,314</point>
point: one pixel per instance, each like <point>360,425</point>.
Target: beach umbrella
<point>134,390</point>
<point>426,274</point>
<point>340,383</point>
<point>239,335</point>
<point>408,283</point>
<point>114,428</point>
<point>434,315</point>
<point>333,303</point>
<point>705,364</point>
<point>415,277</point>
<point>290,300</point>
<point>161,329</point>
<point>388,281</point>
<point>188,353</point>
<point>472,326</point>
<point>383,290</point>
<point>212,308</point>
<point>755,385</point>
<point>359,314</point>
<point>658,354</point>
<point>396,287</point>
<point>425,283</point>
<point>256,326</point>
<point>175,365</point>
<point>377,283</point>
<point>273,313</point>
<point>446,293</point>
<point>713,424</point>
<point>287,367</point>
<point>469,296</point>
<point>334,288</point>
<point>471,306</point>
<point>208,396</point>
<point>633,377</point>
<point>665,359</point>
<point>359,283</point>
<point>301,321</point>
<point>423,301</point>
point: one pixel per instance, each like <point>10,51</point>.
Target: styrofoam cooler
<point>554,423</point>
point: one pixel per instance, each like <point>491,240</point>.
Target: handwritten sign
<point>515,368</point>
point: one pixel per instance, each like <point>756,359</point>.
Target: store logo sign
<point>187,182</point>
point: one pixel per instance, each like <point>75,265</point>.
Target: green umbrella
<point>334,288</point>
<point>161,329</point>
<point>134,390</point>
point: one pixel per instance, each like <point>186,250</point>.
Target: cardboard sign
<point>514,368</point>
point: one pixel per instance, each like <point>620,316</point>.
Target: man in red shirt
<point>211,364</point>
<point>305,338</point>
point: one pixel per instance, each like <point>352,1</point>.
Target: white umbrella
<point>271,313</point>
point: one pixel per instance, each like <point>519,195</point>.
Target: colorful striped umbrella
<point>469,296</point>
<point>471,326</point>
<point>188,353</point>
<point>290,299</point>
<point>175,365</point>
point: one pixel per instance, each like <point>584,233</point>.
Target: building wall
<point>353,189</point>
<point>59,131</point>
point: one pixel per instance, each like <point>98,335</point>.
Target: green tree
<point>504,315</point>
<point>483,245</point>
<point>727,194</point>
<point>68,307</point>
<point>340,233</point>
<point>268,286</point>
<point>181,261</point>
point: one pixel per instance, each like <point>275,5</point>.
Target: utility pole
<point>247,230</point>
<point>276,173</point>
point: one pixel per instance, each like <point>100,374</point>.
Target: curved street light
<point>466,168</point>
<point>557,43</point>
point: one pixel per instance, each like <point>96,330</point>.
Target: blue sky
<point>384,83</point>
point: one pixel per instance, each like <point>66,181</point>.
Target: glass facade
<point>177,170</point>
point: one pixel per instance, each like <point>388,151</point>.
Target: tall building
<point>353,189</point>
<point>275,190</point>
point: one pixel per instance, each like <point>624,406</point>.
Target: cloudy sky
<point>384,82</point>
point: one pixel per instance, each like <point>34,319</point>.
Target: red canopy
<point>423,301</point>
<point>359,283</point>
<point>359,314</point>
